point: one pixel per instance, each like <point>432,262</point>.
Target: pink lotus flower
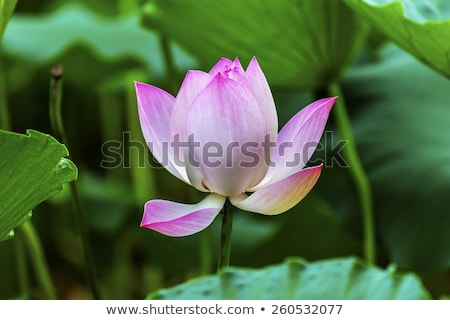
<point>220,135</point>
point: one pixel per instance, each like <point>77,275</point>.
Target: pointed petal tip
<point>220,65</point>
<point>304,129</point>
<point>329,101</point>
<point>138,84</point>
<point>319,106</point>
<point>333,98</point>
<point>237,64</point>
<point>254,63</point>
<point>254,60</point>
<point>144,90</point>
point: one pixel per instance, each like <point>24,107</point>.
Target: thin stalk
<point>205,252</point>
<point>357,172</point>
<point>225,237</point>
<point>21,263</point>
<point>58,130</point>
<point>37,257</point>
<point>85,241</point>
<point>56,120</point>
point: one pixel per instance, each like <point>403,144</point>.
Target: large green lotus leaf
<point>301,44</point>
<point>402,131</point>
<point>343,278</point>
<point>33,168</point>
<point>420,27</point>
<point>46,38</point>
<point>6,9</point>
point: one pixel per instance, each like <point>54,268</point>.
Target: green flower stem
<point>85,242</point>
<point>205,252</point>
<point>56,121</point>
<point>21,263</point>
<point>225,236</point>
<point>37,257</point>
<point>357,172</point>
<point>58,130</point>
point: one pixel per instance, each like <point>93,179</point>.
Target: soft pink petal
<point>233,70</point>
<point>194,82</point>
<point>263,95</point>
<point>298,140</point>
<point>177,219</point>
<point>229,128</point>
<point>222,65</point>
<point>230,69</point>
<point>237,65</point>
<point>236,72</point>
<point>254,82</point>
<point>280,196</point>
<point>155,108</point>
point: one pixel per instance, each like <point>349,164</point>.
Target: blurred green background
<point>393,69</point>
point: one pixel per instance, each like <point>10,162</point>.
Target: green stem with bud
<point>59,131</point>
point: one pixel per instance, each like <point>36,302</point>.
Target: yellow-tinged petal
<point>280,196</point>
